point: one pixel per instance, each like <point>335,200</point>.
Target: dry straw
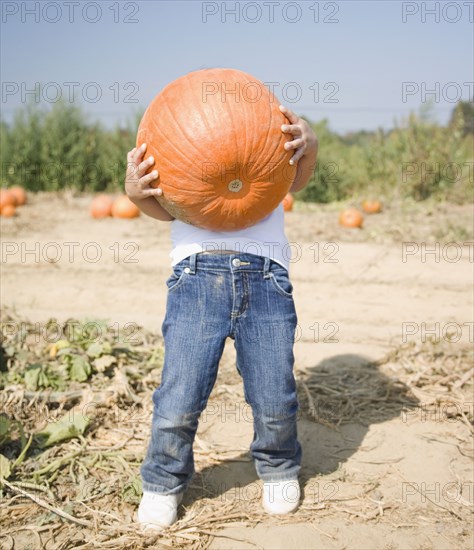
<point>83,492</point>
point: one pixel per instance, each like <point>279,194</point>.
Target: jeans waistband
<point>230,262</point>
<point>219,252</point>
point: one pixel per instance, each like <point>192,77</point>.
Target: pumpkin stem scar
<point>235,186</point>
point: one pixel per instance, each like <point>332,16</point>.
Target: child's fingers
<point>296,157</point>
<point>132,168</point>
<point>293,129</point>
<point>131,157</point>
<point>153,192</point>
<point>145,165</point>
<point>139,153</point>
<point>145,181</point>
<point>290,115</point>
<point>295,144</point>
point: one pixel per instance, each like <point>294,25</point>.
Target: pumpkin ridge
<point>182,132</point>
<point>204,115</point>
<point>235,129</point>
<point>177,166</point>
<point>248,147</point>
<point>256,128</point>
<point>278,143</point>
<point>157,129</point>
<point>204,118</point>
<point>253,135</point>
<point>178,186</point>
<point>262,152</point>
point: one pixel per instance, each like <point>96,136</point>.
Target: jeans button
<point>187,270</point>
<point>236,262</point>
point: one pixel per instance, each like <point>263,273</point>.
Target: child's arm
<point>137,185</point>
<point>306,145</point>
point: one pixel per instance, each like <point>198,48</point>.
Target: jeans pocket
<point>176,278</point>
<point>281,281</point>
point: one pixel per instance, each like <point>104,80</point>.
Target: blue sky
<point>358,54</point>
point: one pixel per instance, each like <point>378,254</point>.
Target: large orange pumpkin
<point>6,198</point>
<point>123,207</point>
<point>101,206</point>
<point>19,193</point>
<point>216,138</point>
<point>351,218</point>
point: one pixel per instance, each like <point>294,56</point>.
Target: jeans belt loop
<point>192,263</point>
<point>266,268</point>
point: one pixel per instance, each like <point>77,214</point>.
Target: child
<point>215,294</point>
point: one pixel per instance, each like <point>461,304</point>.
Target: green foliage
<point>466,109</point>
<point>70,425</point>
<point>329,182</point>
<point>416,160</point>
<point>88,349</point>
<point>78,360</point>
<point>55,149</point>
<point>59,148</point>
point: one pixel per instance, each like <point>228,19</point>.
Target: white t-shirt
<point>265,238</point>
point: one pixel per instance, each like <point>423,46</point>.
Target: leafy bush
<point>50,150</point>
<point>417,160</point>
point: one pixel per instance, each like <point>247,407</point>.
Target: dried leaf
<point>95,350</point>
<point>103,362</point>
<point>72,424</point>
<point>35,377</point>
<point>132,491</point>
<point>5,470</point>
<point>80,369</point>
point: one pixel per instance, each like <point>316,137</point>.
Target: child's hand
<point>137,182</point>
<point>305,141</point>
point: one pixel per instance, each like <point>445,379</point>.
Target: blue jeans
<point>211,297</point>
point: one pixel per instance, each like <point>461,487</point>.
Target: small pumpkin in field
<point>6,198</point>
<point>351,217</point>
<point>19,193</point>
<point>123,207</point>
<point>8,211</point>
<point>372,206</point>
<point>216,138</point>
<point>101,206</point>
<point>288,202</point>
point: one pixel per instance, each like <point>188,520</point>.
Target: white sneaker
<point>281,497</point>
<point>158,511</point>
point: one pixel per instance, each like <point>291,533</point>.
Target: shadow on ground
<point>340,398</point>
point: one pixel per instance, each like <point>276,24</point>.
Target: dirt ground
<point>388,478</point>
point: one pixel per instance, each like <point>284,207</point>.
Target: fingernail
<point>292,162</point>
<point>284,127</point>
<point>151,160</point>
<point>143,145</point>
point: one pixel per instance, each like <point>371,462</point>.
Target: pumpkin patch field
<point>335,137</point>
<point>383,365</point>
